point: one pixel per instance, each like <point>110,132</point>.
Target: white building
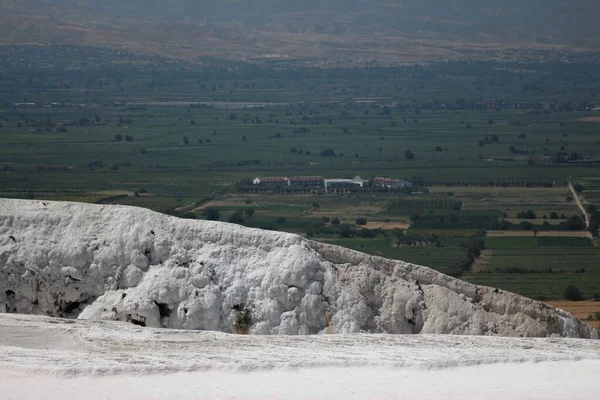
<point>330,183</point>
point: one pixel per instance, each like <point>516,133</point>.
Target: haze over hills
<point>328,31</point>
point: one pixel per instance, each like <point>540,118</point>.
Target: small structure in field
<point>391,183</point>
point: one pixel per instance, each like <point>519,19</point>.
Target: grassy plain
<point>180,140</point>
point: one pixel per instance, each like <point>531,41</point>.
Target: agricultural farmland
<point>489,148</point>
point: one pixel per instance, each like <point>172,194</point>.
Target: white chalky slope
<point>132,264</point>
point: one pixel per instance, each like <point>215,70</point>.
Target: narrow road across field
<point>576,197</point>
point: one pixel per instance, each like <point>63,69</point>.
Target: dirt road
<point>576,197</point>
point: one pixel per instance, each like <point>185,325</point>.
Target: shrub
<point>335,221</point>
<point>529,214</point>
<point>236,218</point>
<point>328,153</point>
<point>346,231</point>
<point>368,233</point>
<point>243,321</point>
<point>211,214</point>
<point>573,293</point>
<point>361,221</point>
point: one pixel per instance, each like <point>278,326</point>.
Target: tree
<point>578,188</point>
<point>368,233</point>
<point>527,226</point>
<point>573,293</point>
<point>189,215</point>
<point>346,231</point>
<point>211,214</point>
<point>118,137</point>
<point>328,153</point>
<point>361,221</point>
<point>236,218</point>
<point>186,140</point>
<point>409,155</point>
<point>335,221</point>
<point>249,212</point>
<point>129,138</point>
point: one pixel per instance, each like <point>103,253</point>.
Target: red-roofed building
<point>271,180</point>
<point>307,180</point>
<point>385,181</point>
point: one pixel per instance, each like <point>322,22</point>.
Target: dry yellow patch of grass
<point>483,259</point>
<point>590,119</point>
<point>580,309</point>
<point>387,225</point>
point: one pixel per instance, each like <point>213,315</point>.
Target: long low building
<point>356,181</point>
<point>330,183</point>
<point>271,180</point>
<point>294,180</point>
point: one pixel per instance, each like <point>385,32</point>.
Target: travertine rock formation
<point>132,264</point>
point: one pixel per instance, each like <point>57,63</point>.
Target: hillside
<point>131,264</point>
<point>326,31</point>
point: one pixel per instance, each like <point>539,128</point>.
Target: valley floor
<point>43,357</point>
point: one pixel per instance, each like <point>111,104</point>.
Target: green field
<point>482,143</point>
<point>540,267</point>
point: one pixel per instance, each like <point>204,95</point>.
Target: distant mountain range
<point>326,31</point>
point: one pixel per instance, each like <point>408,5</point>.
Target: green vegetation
<point>488,146</point>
